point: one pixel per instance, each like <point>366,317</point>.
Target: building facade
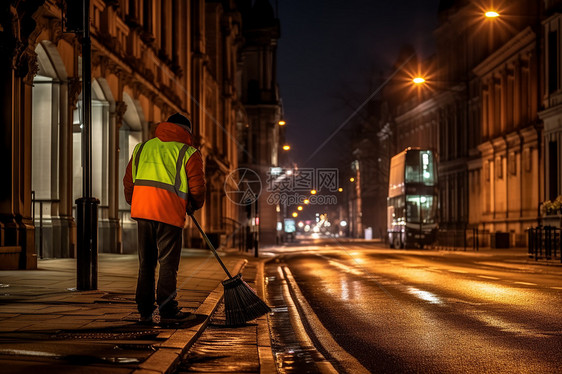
<point>479,110</point>
<point>551,112</point>
<point>150,59</point>
<point>260,135</point>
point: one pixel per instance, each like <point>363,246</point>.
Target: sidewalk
<point>48,326</point>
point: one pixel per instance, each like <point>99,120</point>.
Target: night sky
<point>329,49</point>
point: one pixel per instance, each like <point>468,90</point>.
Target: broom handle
<point>210,245</point>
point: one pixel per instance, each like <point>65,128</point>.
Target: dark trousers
<point>158,243</point>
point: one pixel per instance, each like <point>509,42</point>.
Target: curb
<point>265,353</point>
<point>317,336</point>
<point>171,351</point>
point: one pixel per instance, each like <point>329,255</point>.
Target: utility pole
<point>87,205</point>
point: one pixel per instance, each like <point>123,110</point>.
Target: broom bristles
<point>241,304</point>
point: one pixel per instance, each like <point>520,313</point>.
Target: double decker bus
<point>412,199</point>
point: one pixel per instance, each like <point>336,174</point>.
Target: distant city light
<point>306,201</point>
<point>340,189</point>
<point>286,147</point>
<point>282,123</point>
<point>313,192</point>
<point>299,207</point>
<point>276,170</point>
<point>352,179</point>
<point>295,214</point>
<point>492,14</point>
<point>418,80</point>
<point>343,223</point>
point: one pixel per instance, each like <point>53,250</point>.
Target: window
<point>527,157</point>
<point>512,163</point>
<point>420,168</point>
<point>499,167</point>
<point>552,170</point>
<point>552,61</point>
<point>420,208</point>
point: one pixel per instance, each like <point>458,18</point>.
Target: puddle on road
<point>223,349</point>
<point>290,357</point>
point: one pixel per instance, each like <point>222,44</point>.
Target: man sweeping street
<point>163,182</point>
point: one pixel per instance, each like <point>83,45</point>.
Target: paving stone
<point>43,305</point>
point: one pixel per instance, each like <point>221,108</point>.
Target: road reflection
<point>415,311</point>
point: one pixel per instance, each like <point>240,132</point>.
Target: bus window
<point>420,168</point>
<point>428,209</point>
<point>428,173</point>
<point>412,208</point>
<point>412,173</point>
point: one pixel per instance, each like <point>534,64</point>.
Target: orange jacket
<point>156,204</point>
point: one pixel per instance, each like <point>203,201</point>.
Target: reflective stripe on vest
<point>162,165</point>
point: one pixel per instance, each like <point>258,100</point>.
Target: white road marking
<point>526,283</point>
<point>488,277</point>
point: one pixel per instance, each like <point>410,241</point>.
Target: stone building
<point>479,111</point>
<point>149,59</point>
<point>551,113</point>
<point>261,135</point>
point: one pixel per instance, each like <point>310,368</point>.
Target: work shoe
<point>177,317</point>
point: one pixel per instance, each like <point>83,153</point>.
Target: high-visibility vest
<point>161,165</point>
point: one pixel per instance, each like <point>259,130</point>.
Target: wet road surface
<point>424,311</point>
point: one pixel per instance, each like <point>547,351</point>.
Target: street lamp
<point>295,214</point>
<point>313,192</point>
<point>299,207</point>
<point>418,80</point>
<point>286,147</point>
<point>491,14</point>
<point>281,123</point>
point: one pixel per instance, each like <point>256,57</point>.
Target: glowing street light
<point>352,179</point>
<point>492,14</point>
<point>282,123</point>
<point>306,201</point>
<point>286,147</point>
<point>340,189</point>
<point>313,192</point>
<point>418,80</point>
<point>295,214</point>
<point>299,207</point>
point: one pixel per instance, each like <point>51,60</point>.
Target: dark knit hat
<point>181,120</point>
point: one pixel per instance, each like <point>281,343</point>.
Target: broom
<point>241,304</point>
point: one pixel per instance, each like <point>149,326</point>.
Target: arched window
<point>100,159</point>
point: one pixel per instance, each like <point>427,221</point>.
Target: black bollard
<point>87,243</point>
